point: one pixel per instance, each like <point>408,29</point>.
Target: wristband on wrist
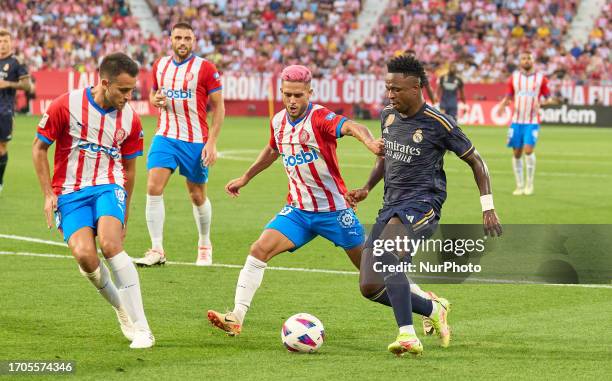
<point>486,202</point>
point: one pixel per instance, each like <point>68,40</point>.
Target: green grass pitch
<point>48,311</point>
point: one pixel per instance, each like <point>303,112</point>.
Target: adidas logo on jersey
<point>177,94</point>
<point>300,158</point>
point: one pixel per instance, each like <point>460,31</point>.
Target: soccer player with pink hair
<point>304,135</point>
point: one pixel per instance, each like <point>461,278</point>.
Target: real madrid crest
<point>5,67</point>
<point>417,137</point>
<point>390,119</point>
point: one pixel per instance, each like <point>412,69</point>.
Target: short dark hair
<point>117,63</point>
<point>4,32</point>
<point>407,65</point>
<point>182,25</point>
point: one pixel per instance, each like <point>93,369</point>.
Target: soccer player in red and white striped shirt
<point>182,86</point>
<point>526,87</point>
<point>304,135</point>
<point>98,138</point>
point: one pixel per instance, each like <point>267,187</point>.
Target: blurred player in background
<point>13,76</point>
<point>182,86</point>
<point>526,87</point>
<point>304,135</point>
<point>99,136</point>
<point>416,137</point>
<point>449,89</point>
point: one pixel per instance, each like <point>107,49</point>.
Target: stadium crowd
<point>247,36</point>
<point>73,33</point>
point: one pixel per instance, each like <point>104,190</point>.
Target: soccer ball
<point>303,333</point>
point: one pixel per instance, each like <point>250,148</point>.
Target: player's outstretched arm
<point>357,195</point>
<point>266,157</point>
<point>41,165</point>
<point>209,153</point>
<point>492,225</point>
<point>361,133</point>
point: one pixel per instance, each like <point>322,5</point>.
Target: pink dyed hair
<point>296,73</point>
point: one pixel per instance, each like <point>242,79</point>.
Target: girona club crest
<point>304,137</point>
<point>119,135</point>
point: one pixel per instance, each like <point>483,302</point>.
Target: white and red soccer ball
<point>303,333</point>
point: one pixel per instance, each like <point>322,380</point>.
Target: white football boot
<point>204,256</point>
<point>143,338</point>
<point>151,258</point>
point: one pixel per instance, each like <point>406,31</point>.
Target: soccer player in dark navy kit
<point>416,138</point>
<point>13,76</point>
<point>449,89</point>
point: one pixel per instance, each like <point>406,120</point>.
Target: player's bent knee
<point>154,189</point>
<point>261,251</point>
<point>86,256</point>
<point>110,246</point>
<point>368,290</point>
<point>197,197</point>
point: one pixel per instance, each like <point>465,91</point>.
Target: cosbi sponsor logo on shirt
<point>527,93</point>
<point>95,148</point>
<point>300,158</point>
<point>177,94</point>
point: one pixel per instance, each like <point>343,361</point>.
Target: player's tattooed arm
<point>357,195</point>
<point>491,223</point>
<point>266,157</point>
<point>209,153</point>
<point>41,165</point>
<point>361,133</point>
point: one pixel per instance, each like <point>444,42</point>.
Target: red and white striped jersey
<point>186,86</point>
<point>527,90</point>
<point>308,149</point>
<point>91,141</point>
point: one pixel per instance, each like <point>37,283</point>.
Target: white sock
<point>530,163</point>
<point>517,165</point>
<point>203,215</point>
<point>101,279</point>
<point>249,281</point>
<point>155,214</point>
<point>407,329</point>
<point>128,284</point>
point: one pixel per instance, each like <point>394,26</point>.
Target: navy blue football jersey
<point>414,154</point>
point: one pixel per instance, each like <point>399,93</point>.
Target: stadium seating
<point>247,36</point>
<point>73,33</point>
